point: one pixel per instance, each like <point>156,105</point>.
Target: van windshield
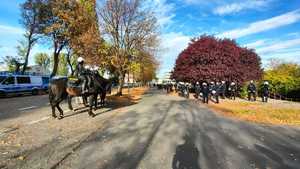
<point>2,78</point>
<point>9,80</point>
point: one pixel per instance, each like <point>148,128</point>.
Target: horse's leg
<point>84,98</point>
<point>53,110</point>
<point>95,101</point>
<point>70,102</point>
<point>91,101</point>
<point>61,112</point>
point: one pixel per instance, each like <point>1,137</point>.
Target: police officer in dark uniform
<point>205,92</point>
<point>197,89</point>
<point>223,89</point>
<point>187,90</point>
<point>216,91</point>
<point>265,91</point>
<point>80,73</point>
<point>211,87</point>
<point>251,90</point>
<point>232,90</point>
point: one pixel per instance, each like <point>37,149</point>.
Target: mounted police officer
<point>205,92</point>
<point>81,74</point>
<point>251,90</point>
<point>265,91</point>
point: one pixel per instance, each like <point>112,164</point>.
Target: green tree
<point>13,63</point>
<point>129,26</point>
<point>62,67</point>
<point>284,78</point>
<point>43,60</point>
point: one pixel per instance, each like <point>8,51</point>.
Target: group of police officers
<point>214,90</point>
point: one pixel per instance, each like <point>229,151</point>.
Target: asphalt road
<point>160,132</point>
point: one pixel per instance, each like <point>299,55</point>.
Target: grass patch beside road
<point>274,112</point>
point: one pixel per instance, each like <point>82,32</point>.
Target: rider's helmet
<point>266,83</point>
<point>95,68</point>
<point>251,81</point>
<point>232,83</point>
<point>197,83</point>
<point>80,60</point>
<point>87,67</point>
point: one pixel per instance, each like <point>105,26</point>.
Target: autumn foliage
<point>208,58</point>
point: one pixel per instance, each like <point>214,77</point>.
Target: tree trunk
<point>121,84</point>
<point>30,44</point>
<point>69,62</point>
<point>26,60</point>
<point>55,63</point>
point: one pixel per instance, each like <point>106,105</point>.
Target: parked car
<point>11,84</point>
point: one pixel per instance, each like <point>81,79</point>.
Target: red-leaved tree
<point>210,59</point>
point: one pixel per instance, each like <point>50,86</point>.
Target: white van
<point>20,84</point>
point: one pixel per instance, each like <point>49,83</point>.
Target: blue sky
<point>271,27</point>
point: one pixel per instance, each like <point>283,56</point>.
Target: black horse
<point>61,89</point>
<point>105,88</point>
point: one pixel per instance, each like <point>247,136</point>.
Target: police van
<point>11,84</point>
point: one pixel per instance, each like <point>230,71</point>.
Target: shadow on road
<point>187,154</point>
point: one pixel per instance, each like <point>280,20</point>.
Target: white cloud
<point>164,11</point>
<point>239,6</point>
<point>173,43</point>
<point>264,25</point>
<point>5,29</point>
<point>279,46</point>
<point>256,44</point>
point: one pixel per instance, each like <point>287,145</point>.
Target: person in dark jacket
<point>81,74</point>
<point>197,89</point>
<point>251,90</point>
<point>205,92</point>
<point>232,90</point>
<point>265,91</point>
<point>216,91</point>
<point>223,89</point>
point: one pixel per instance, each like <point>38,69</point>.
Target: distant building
<point>38,70</point>
<point>3,67</point>
<point>166,78</point>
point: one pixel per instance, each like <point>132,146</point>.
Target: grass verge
<point>275,112</point>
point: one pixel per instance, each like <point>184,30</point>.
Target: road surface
<point>160,132</point>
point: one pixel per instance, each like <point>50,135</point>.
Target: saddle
<point>74,83</point>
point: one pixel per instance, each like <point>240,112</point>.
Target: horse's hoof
<point>54,117</point>
<point>92,114</point>
<point>60,117</point>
